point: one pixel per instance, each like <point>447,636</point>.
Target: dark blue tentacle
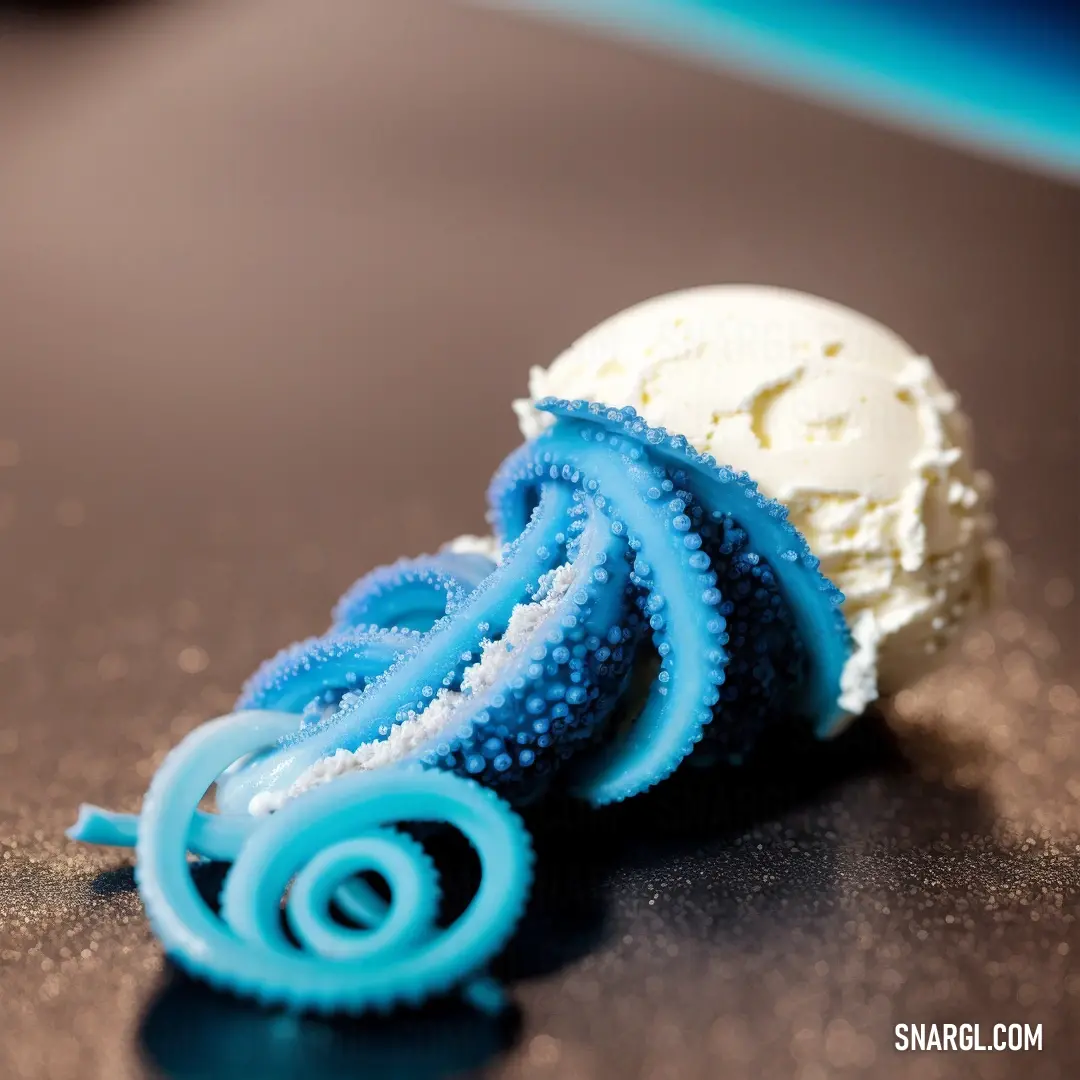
<point>813,599</point>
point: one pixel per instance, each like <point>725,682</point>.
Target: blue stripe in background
<point>999,74</point>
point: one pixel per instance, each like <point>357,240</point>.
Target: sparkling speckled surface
<point>237,279</point>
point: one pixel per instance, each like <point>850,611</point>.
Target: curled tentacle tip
<point>486,996</point>
<point>82,828</point>
<point>97,826</point>
<point>313,853</point>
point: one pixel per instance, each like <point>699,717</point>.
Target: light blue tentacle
<point>324,669</point>
<point>412,594</point>
<point>408,685</point>
<point>322,841</point>
<point>213,836</point>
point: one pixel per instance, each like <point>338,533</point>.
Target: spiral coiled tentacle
<point>320,843</point>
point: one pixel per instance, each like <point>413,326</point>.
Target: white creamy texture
<point>468,544</point>
<point>421,728</point>
<point>837,417</point>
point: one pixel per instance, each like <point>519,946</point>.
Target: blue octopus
<point>648,605</point>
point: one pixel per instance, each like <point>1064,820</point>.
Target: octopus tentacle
<point>324,669</point>
<point>412,594</point>
<point>619,539</point>
<point>549,690</point>
<point>650,521</point>
<point>814,600</point>
<point>522,704</point>
<point>321,841</point>
<point>408,685</point>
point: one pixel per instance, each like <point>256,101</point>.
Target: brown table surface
<point>270,274</point>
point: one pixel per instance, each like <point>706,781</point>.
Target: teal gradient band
<point>1013,88</point>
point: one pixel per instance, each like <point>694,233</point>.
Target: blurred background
<point>270,275</point>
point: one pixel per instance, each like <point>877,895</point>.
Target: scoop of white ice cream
<point>838,418</point>
<point>468,544</point>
